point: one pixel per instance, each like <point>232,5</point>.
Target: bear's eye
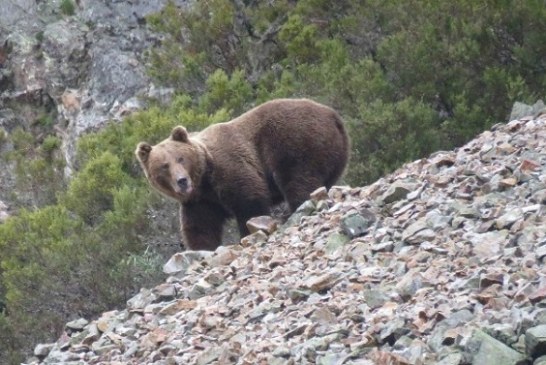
<point>165,166</point>
<point>180,159</point>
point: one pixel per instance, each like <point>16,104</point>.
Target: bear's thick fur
<point>279,151</point>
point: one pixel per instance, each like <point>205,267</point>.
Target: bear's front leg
<point>202,224</point>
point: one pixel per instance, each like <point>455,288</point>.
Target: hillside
<point>440,262</point>
<point>83,81</point>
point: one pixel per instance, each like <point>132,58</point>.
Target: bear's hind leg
<point>249,209</point>
<point>202,226</point>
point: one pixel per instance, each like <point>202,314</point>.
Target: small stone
<point>383,247</point>
<point>323,282</point>
<point>509,182</point>
<point>408,285</point>
<point>92,336</point>
<point>393,331</point>
<point>165,292</point>
<point>178,306</point>
<point>254,239</point>
<point>141,300</point>
<point>282,352</point>
<point>541,252</point>
<point>319,194</point>
<point>469,212</point>
<point>395,192</point>
<point>322,205</point>
<point>42,350</point>
<point>520,110</point>
<point>335,242</point>
<point>200,289</point>
<point>487,245</point>
<point>509,218</point>
<point>418,232</point>
<point>487,280</point>
<point>529,165</point>
<point>538,295</point>
<point>442,159</point>
<point>181,261</point>
<point>77,325</point>
<point>355,225</point>
<point>455,358</point>
<point>224,255</point>
<point>264,223</point>
<point>375,298</point>
<point>298,294</point>
<point>328,359</point>
<point>304,210</point>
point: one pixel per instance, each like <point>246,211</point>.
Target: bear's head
<point>175,166</point>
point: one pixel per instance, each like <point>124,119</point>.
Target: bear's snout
<point>182,183</point>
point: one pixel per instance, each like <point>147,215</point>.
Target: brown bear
<point>279,151</point>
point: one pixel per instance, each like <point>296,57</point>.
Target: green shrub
<point>67,7</point>
<point>223,92</point>
<point>38,170</point>
<point>50,144</point>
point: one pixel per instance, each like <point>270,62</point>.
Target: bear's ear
<point>143,151</point>
<point>179,134</point>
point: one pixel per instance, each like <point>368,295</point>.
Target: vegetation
<point>408,77</point>
<point>67,7</point>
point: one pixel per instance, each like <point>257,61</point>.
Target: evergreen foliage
<point>464,62</point>
<point>67,7</point>
<point>409,78</point>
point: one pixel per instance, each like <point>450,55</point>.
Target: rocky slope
<point>440,262</point>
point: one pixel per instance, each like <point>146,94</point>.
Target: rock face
<point>65,75</point>
<point>450,272</point>
<point>82,70</point>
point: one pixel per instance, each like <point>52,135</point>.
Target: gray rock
<point>77,324</point>
<point>489,244</point>
<point>335,242</point>
<point>393,332</point>
<point>264,223</point>
<point>509,218</point>
<point>520,110</point>
<point>408,285</point>
<point>374,298</point>
<point>436,220</point>
<point>395,192</point>
<point>282,352</point>
<point>141,300</point>
<point>418,232</point>
<point>329,359</point>
<point>355,225</point>
<point>495,352</point>
<point>181,261</point>
<point>540,361</point>
<point>535,341</point>
<point>454,358</point>
<point>319,194</point>
<point>387,246</point>
<point>322,282</point>
<point>42,350</point>
<point>165,292</point>
<point>438,335</point>
<point>200,289</point>
<point>306,209</point>
<point>254,239</point>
